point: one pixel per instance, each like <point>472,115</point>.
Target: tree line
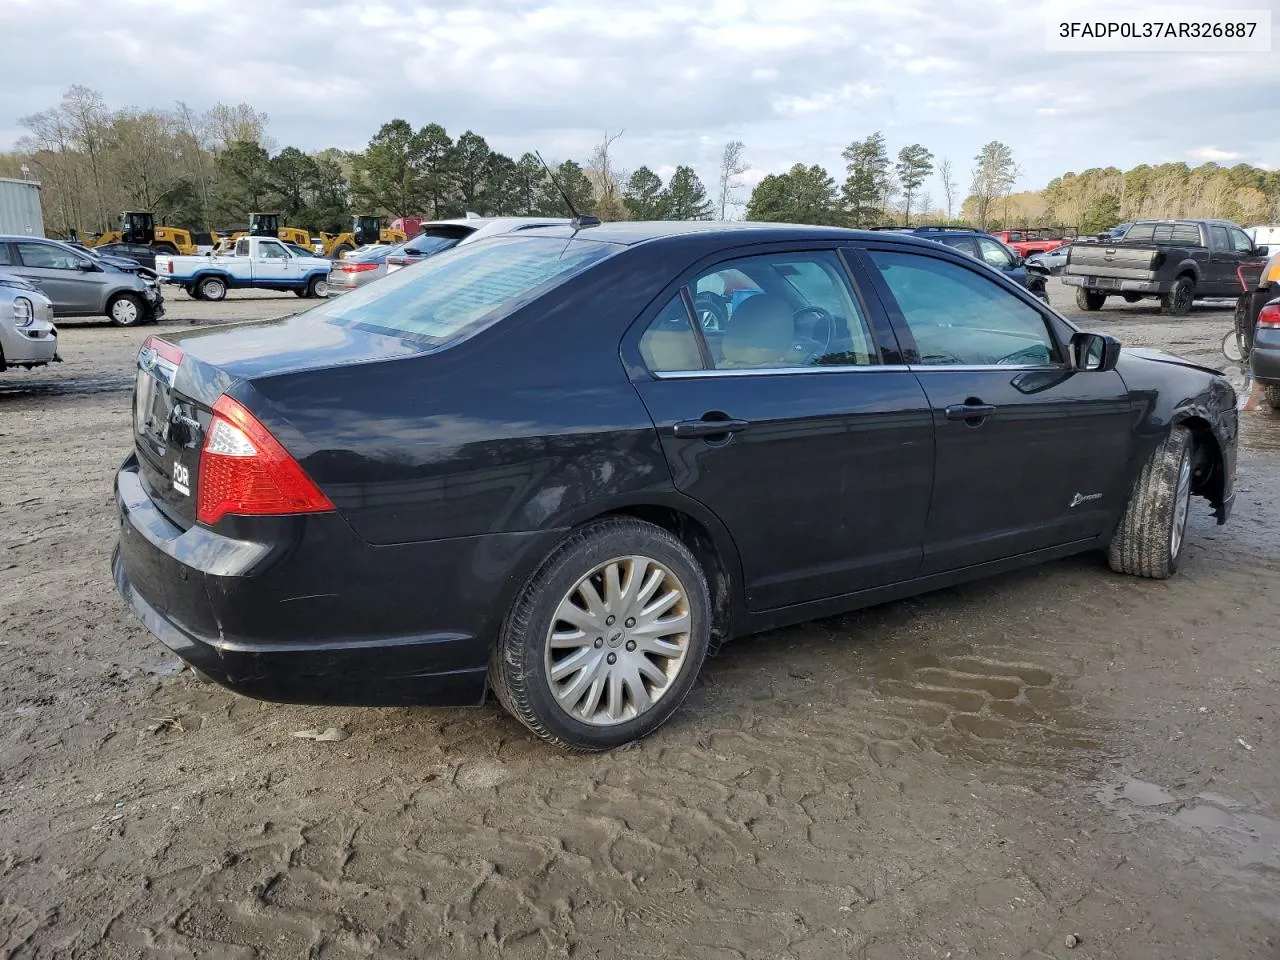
<point>211,169</point>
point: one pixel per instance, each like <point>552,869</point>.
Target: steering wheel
<point>813,347</point>
<point>1033,354</point>
<point>712,314</point>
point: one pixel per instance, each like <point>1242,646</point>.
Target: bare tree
<point>605,177</point>
<point>732,166</point>
<point>195,146</point>
<point>994,173</point>
<point>87,119</point>
<point>948,185</point>
<point>926,203</point>
<point>231,124</point>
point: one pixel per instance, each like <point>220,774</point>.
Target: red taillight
<point>164,349</point>
<point>1269,317</point>
<point>171,266</point>
<point>244,470</point>
<point>358,267</point>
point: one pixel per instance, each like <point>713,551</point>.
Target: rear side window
<point>1218,239</point>
<point>668,344</point>
<point>459,292</point>
<point>6,260</point>
<point>1186,234</point>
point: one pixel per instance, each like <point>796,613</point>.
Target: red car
<point>1027,242</point>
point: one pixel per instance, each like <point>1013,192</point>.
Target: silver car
<point>28,337</point>
<point>81,283</point>
<point>1053,260</point>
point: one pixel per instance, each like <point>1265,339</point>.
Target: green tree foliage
<point>572,180</point>
<point>915,165</point>
<point>801,195</point>
<point>686,197</point>
<point>244,182</point>
<point>868,181</point>
<point>994,173</point>
<point>644,197</point>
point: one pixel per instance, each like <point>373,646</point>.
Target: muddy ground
<point>982,772</point>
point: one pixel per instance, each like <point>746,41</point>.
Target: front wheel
<point>1271,395</point>
<point>126,310</point>
<point>606,639</point>
<point>317,286</point>
<point>1149,538</point>
<point>1087,300</point>
<point>1177,302</point>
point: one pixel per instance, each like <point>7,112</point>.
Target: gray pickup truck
<point>1173,261</point>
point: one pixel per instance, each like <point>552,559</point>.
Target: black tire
<point>1087,300</point>
<point>1177,302</point>
<point>165,249</point>
<point>1132,297</point>
<point>1244,326</point>
<point>1143,544</point>
<point>518,673</point>
<point>1271,395</point>
<point>299,293</point>
<point>341,250</point>
<point>126,310</point>
<point>193,292</point>
<point>317,287</point>
<point>212,288</point>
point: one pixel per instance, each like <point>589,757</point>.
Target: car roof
<point>632,232</point>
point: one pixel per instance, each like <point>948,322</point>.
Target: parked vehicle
<point>137,252</point>
<point>339,506</point>
<point>1174,261</point>
<point>360,267</point>
<point>984,247</point>
<point>364,230</point>
<point>1029,241</point>
<point>1054,260</point>
<point>261,263</point>
<point>28,337</point>
<point>21,212</point>
<point>140,228</point>
<point>1265,236</point>
<point>1257,327</point>
<point>81,283</point>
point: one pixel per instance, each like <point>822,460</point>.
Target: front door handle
<point>685,429</point>
<point>970,411</point>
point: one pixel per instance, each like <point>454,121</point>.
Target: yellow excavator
<point>364,230</point>
<point>268,225</point>
<point>140,227</point>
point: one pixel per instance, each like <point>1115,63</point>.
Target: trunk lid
<point>179,378</point>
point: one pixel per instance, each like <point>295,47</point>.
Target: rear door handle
<point>709,428</point>
<point>970,411</point>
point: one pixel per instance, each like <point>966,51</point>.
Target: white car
<point>437,235</point>
<point>28,337</point>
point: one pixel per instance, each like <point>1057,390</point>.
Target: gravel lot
<point>983,772</point>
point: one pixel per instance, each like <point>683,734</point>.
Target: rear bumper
<point>1264,361</point>
<point>258,620</point>
<point>1121,285</point>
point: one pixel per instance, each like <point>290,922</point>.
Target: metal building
<point>20,210</point>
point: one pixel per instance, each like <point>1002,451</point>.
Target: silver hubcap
<point>124,311</point>
<point>1181,506</point>
<point>212,289</point>
<point>321,288</point>
<point>618,640</point>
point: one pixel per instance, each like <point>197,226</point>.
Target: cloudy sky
<point>795,79</point>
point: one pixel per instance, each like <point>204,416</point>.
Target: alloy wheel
<point>618,640</point>
<point>1181,506</point>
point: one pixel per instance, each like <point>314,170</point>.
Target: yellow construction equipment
<point>364,230</point>
<point>140,227</point>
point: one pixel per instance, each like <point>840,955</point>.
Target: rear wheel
<point>606,639</point>
<point>1087,300</point>
<point>1177,302</point>
<point>1271,395</point>
<point>193,292</point>
<point>1149,538</point>
<point>126,310</point>
<point>165,249</point>
<point>212,288</point>
<point>317,286</point>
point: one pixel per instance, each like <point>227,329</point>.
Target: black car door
<point>784,414</point>
<point>1030,453</point>
<point>1223,260</point>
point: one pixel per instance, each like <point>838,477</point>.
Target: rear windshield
<point>424,244</point>
<point>1187,234</point>
<point>459,292</point>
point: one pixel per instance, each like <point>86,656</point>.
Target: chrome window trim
<point>859,368</point>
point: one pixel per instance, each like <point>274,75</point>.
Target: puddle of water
<point>1243,847</point>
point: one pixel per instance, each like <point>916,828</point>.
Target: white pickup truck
<point>262,263</point>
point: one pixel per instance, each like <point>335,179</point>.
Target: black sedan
<point>564,465</point>
<point>137,252</point>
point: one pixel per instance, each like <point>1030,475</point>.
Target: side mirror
<point>1095,352</point>
<point>1262,251</point>
<point>85,266</point>
<point>1018,260</point>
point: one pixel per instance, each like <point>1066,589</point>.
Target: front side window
<point>1240,241</point>
<point>994,254</point>
<point>958,316</point>
<point>458,293</point>
<point>779,311</point>
<point>668,344</point>
<point>45,256</point>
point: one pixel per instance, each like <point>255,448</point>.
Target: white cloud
<point>796,81</point>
